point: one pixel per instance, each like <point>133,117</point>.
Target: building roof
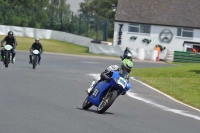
<point>183,13</point>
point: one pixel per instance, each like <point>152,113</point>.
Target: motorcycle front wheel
<point>107,102</point>
<point>6,59</point>
<point>34,61</point>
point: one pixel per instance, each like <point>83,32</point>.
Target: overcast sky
<point>74,4</point>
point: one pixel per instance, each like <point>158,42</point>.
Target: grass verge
<point>181,81</point>
<point>24,43</point>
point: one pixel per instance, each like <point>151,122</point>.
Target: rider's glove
<point>108,79</point>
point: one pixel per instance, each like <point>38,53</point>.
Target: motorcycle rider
<point>38,46</point>
<point>126,51</point>
<point>124,69</point>
<point>10,40</point>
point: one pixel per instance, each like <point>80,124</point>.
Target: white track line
<point>87,62</point>
<point>96,76</point>
<point>164,94</point>
<point>162,107</point>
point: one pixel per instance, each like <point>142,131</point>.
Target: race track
<point>49,100</point>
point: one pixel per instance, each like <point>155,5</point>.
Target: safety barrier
<point>46,34</point>
<point>140,54</point>
<point>169,56</point>
<point>186,57</point>
<point>104,48</point>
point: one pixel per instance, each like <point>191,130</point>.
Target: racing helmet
<point>125,67</point>
<point>10,33</point>
<point>37,39</point>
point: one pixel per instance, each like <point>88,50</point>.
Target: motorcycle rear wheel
<point>86,104</point>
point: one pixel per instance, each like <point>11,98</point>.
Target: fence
<point>91,26</point>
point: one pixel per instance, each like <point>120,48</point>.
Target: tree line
<point>56,14</point>
<point>34,13</point>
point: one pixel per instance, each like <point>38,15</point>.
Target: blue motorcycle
<point>105,93</point>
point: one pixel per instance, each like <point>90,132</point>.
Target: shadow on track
<point>94,111</point>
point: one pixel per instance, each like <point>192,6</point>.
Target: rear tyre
<point>86,104</point>
<point>107,102</point>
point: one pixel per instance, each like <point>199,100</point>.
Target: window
<point>185,32</point>
<point>139,28</point>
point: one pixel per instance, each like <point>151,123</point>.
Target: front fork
<point>104,98</point>
<point>6,53</point>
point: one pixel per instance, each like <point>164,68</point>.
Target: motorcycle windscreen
<point>116,75</point>
<point>95,97</point>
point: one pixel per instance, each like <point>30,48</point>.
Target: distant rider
<point>36,46</point>
<point>125,55</point>
<point>124,69</point>
<point>10,40</point>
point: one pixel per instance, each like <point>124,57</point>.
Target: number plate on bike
<point>8,47</point>
<point>36,52</point>
<point>121,81</point>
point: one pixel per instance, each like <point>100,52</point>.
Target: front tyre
<point>86,104</point>
<point>107,102</point>
<point>6,59</point>
<point>34,61</point>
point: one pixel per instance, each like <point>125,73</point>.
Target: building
<point>173,24</point>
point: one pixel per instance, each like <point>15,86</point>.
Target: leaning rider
<point>36,46</point>
<point>124,69</point>
<point>10,40</point>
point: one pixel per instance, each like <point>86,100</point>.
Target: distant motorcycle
<point>105,93</point>
<point>35,58</point>
<point>127,55</point>
<point>7,55</point>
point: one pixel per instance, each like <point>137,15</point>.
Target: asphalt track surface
<point>49,100</point>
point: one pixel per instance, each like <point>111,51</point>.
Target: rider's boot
<point>89,90</point>
<point>2,59</point>
<point>39,61</point>
<point>12,60</point>
<point>30,59</point>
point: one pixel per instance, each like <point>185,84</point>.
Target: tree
<point>63,13</point>
<point>58,12</point>
<point>24,12</point>
<point>101,8</point>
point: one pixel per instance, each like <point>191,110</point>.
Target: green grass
<point>24,43</point>
<point>181,81</point>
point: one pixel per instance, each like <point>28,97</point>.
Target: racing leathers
<point>105,75</point>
